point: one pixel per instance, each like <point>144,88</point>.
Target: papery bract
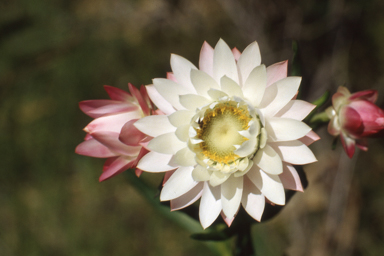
<point>112,133</point>
<point>231,134</point>
<point>355,117</point>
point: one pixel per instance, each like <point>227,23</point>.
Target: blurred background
<point>54,54</point>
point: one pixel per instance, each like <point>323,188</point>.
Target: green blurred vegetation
<point>54,54</point>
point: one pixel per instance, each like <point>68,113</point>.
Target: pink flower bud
<point>355,117</point>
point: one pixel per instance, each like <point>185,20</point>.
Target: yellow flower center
<point>219,131</point>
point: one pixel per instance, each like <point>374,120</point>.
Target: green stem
<point>244,245</point>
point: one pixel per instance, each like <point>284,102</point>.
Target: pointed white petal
<point>182,132</point>
<point>278,95</point>
<point>188,198</point>
<point>203,82</point>
<point>277,72</point>
<point>247,148</point>
<point>293,152</point>
<point>159,101</point>
<point>285,129</point>
<point>181,68</point>
<point>154,125</point>
<point>170,91</point>
<point>253,200</point>
<point>269,185</point>
<point>290,178</point>
<point>216,94</point>
<point>268,160</point>
<point>200,173</point>
<point>178,184</point>
<point>230,87</point>
<point>249,59</point>
<point>296,109</point>
<point>184,157</point>
<point>231,193</point>
<point>210,205</point>
<point>218,178</point>
<point>155,162</point>
<point>167,143</point>
<point>181,117</point>
<point>206,59</point>
<point>254,86</point>
<point>224,63</point>
<point>193,101</point>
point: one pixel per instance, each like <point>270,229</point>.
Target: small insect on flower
<point>231,133</point>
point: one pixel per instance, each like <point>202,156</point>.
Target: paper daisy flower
<point>231,134</point>
<point>112,134</point>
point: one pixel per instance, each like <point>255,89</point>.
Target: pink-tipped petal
<point>119,165</point>
<point>206,59</point>
<point>310,138</point>
<point>227,220</point>
<point>350,121</point>
<point>369,95</point>
<point>136,93</point>
<point>130,135</point>
<point>112,123</point>
<point>93,148</point>
<point>98,108</point>
<point>290,178</point>
<point>118,94</point>
<point>111,140</point>
<point>277,72</point>
<point>362,144</point>
<point>348,144</point>
<point>138,172</point>
<point>236,53</point>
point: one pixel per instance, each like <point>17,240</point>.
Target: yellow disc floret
<point>219,131</point>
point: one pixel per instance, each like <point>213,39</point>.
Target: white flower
<point>231,133</point>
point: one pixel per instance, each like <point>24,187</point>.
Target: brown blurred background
<point>54,54</point>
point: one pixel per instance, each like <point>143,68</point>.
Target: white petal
<point>224,63</point>
<point>159,101</point>
<point>184,157</point>
<point>170,91</point>
<point>154,125</point>
<point>231,193</point>
<point>155,162</point>
<point>247,148</point>
<point>269,185</point>
<point>310,138</point>
<point>203,82</point>
<point>277,72</point>
<point>210,205</point>
<point>181,68</point>
<point>249,59</point>
<point>293,152</point>
<point>206,59</point>
<point>278,95</point>
<point>290,178</point>
<point>181,117</point>
<point>182,132</point>
<point>178,184</point>
<point>268,160</point>
<point>193,101</point>
<point>216,94</point>
<point>166,143</point>
<point>254,86</point>
<point>285,129</point>
<point>200,173</point>
<point>230,87</point>
<point>296,109</point>
<point>188,198</point>
<point>218,178</point>
<point>253,200</point>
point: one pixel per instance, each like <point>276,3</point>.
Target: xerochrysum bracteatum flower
<point>231,134</point>
<point>112,134</point>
